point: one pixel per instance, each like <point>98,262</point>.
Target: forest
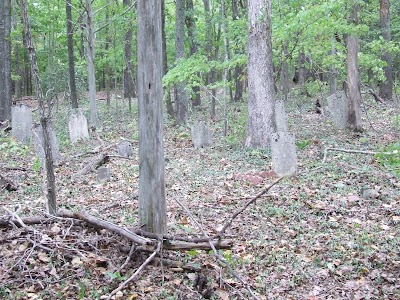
<point>200,149</point>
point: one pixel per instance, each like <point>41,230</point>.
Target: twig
<point>128,258</point>
<point>135,275</point>
<point>350,151</point>
<point>216,254</point>
<point>230,220</point>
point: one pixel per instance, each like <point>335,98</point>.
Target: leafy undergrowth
<point>331,232</point>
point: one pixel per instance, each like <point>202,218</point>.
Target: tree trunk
<point>386,87</point>
<point>354,119</point>
<point>107,69</point>
<point>261,118</point>
<point>152,206</point>
<point>285,72</point>
<point>128,80</point>
<point>91,71</point>
<point>191,26</point>
<point>181,94</point>
<point>170,108</point>
<point>332,75</point>
<point>5,58</point>
<point>71,59</point>
<point>44,114</point>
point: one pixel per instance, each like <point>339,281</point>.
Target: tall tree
<point>170,108</point>
<point>5,60</point>
<point>261,116</point>
<point>152,207</point>
<point>129,88</point>
<point>71,58</point>
<point>238,69</point>
<point>94,119</point>
<point>44,114</point>
<point>386,87</point>
<point>353,81</point>
<point>181,94</point>
<point>193,44</point>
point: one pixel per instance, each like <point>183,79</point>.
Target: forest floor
<point>331,232</point>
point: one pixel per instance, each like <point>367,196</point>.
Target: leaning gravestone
<point>201,135</point>
<point>125,149</point>
<point>39,144</point>
<point>338,106</point>
<point>21,122</point>
<point>280,116</point>
<point>283,150</point>
<point>78,127</point>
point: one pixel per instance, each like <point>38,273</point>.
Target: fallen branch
<point>221,244</point>
<point>376,96</point>
<point>350,151</point>
<point>230,220</point>
<point>92,165</point>
<point>109,226</point>
<point>216,254</point>
<point>136,274</point>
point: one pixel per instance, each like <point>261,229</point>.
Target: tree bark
<point>354,118</point>
<point>71,59</point>
<point>170,108</point>
<point>192,34</point>
<point>5,58</point>
<point>181,94</point>
<point>152,206</point>
<point>332,74</point>
<point>285,72</point>
<point>128,80</point>
<point>94,120</point>
<point>386,87</point>
<point>261,116</point>
<point>107,69</point>
<point>44,114</point>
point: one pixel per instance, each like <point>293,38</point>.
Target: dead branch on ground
<point>7,184</point>
<point>376,97</point>
<point>137,272</point>
<point>350,151</point>
<point>93,164</point>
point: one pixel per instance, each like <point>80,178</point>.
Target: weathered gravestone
<point>338,106</point>
<point>201,135</point>
<point>283,148</point>
<point>125,149</point>
<point>78,127</point>
<point>280,116</point>
<point>39,144</point>
<point>103,174</point>
<point>21,122</point>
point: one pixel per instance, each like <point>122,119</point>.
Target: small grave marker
<point>201,135</point>
<point>103,174</point>
<point>39,144</point>
<point>338,106</point>
<point>21,123</point>
<point>283,150</point>
<point>78,127</point>
<point>125,148</point>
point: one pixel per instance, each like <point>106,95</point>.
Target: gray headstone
<point>338,106</point>
<point>201,135</point>
<point>280,116</point>
<point>103,174</point>
<point>78,127</point>
<point>125,149</point>
<point>39,145</point>
<point>284,158</point>
<point>21,122</point>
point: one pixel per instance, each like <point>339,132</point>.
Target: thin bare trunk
<point>71,58</point>
<point>152,206</point>
<point>354,118</point>
<point>170,108</point>
<point>44,114</point>
<point>386,87</point>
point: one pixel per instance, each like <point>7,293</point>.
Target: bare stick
<point>109,226</point>
<point>230,220</point>
<point>136,274</point>
<point>350,151</point>
<point>216,254</point>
